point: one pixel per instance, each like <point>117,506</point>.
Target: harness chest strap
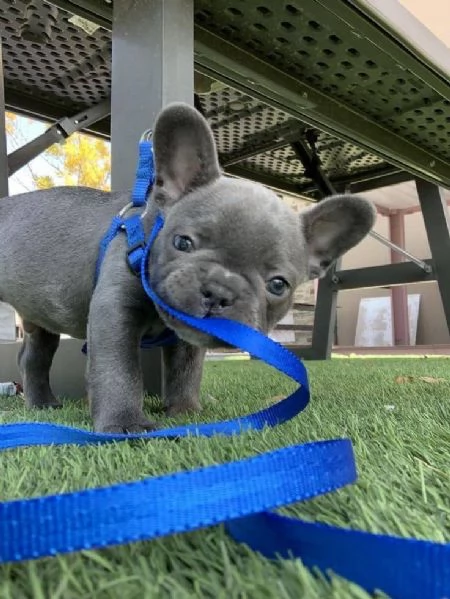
<point>133,227</point>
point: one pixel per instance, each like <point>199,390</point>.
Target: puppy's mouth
<point>191,335</point>
<point>205,293</point>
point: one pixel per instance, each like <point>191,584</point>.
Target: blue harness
<point>240,494</point>
<point>134,230</point>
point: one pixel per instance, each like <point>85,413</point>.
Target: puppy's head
<point>232,248</point>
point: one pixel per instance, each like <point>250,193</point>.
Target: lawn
<point>401,434</point>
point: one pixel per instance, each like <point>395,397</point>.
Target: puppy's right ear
<point>185,153</point>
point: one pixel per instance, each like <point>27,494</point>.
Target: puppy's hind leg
<point>34,361</point>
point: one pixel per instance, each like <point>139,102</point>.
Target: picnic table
<point>307,97</point>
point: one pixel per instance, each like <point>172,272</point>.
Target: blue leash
<point>239,494</point>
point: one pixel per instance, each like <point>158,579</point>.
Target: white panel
<point>7,323</point>
<point>374,325</point>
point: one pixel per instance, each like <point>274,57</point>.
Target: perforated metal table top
<point>380,104</point>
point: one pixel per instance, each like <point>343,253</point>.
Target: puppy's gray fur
<point>242,235</point>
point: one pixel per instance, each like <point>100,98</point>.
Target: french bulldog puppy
<point>229,248</point>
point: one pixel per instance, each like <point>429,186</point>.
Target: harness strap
<point>134,229</point>
<point>135,241</point>
<point>110,234</point>
<point>143,182</point>
<point>145,173</point>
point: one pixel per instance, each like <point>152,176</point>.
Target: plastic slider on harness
<point>144,180</point>
<point>135,233</point>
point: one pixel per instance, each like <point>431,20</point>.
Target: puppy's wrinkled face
<point>231,248</point>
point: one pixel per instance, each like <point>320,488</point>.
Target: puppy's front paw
<point>131,427</point>
<point>183,407</point>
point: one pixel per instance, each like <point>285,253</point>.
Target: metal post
<point>325,316</point>
<point>436,219</point>
<point>153,64</point>
<point>399,294</point>
<point>3,154</point>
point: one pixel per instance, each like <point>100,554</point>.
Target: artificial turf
<point>400,430</point>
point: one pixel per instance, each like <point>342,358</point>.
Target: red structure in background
<point>399,294</point>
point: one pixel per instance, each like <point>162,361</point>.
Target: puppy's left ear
<point>185,153</point>
<point>332,227</point>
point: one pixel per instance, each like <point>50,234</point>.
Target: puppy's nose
<point>216,298</point>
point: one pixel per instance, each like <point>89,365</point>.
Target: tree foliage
<point>10,123</point>
<point>81,160</point>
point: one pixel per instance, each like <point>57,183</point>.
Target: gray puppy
<point>229,248</point>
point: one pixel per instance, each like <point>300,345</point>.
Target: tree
<point>10,123</point>
<point>81,160</point>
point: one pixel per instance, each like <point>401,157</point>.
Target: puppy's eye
<point>277,286</point>
<point>183,243</point>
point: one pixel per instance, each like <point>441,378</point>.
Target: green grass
<point>401,436</point>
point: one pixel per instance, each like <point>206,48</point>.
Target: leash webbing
<point>145,172</point>
<point>238,493</point>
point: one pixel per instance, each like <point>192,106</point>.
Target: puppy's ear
<point>332,227</point>
<point>185,153</point>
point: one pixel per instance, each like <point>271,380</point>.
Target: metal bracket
<point>57,133</point>
<point>258,143</point>
<point>311,163</point>
<point>420,263</point>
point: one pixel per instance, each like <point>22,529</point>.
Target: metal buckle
<point>147,135</point>
<point>125,209</point>
<point>128,207</point>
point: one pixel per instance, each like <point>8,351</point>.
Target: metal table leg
<point>3,154</point>
<point>152,65</point>
<point>436,218</point>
